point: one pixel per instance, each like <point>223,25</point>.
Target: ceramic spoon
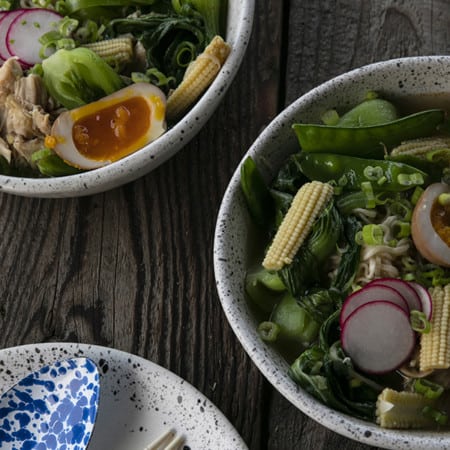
<point>52,408</point>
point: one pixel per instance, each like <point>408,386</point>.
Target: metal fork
<point>167,441</point>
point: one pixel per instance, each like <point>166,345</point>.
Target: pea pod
<point>256,193</point>
<point>354,173</point>
<point>367,141</point>
<point>370,112</point>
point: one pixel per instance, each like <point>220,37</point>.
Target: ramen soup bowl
<point>148,156</point>
<point>414,84</point>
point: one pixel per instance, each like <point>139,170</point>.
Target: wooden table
<point>132,268</point>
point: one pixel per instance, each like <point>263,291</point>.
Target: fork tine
<point>167,441</point>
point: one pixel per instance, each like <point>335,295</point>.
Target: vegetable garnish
<point>81,51</point>
<point>428,388</point>
<point>363,277</point>
<point>419,322</point>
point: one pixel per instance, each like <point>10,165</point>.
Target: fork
<point>167,441</point>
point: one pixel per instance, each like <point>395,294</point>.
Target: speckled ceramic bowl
<point>409,80</point>
<point>138,402</point>
<point>240,20</point>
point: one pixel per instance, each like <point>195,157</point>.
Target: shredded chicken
<point>5,150</point>
<point>25,113</point>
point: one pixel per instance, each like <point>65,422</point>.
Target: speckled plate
<point>239,27</point>
<point>413,82</point>
<point>139,400</point>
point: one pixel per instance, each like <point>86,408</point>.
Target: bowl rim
<point>341,423</point>
<point>157,152</point>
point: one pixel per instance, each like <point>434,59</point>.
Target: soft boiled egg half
<point>430,225</point>
<point>111,128</point>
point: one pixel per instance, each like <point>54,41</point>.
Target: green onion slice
<point>419,321</point>
<point>428,388</point>
<point>372,234</point>
<point>268,331</point>
<point>438,416</point>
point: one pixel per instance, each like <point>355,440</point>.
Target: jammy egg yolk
<point>440,219</point>
<point>111,132</point>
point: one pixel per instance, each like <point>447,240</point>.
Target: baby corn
<point>116,52</point>
<point>435,345</point>
<point>199,75</point>
<point>419,148</point>
<point>306,206</point>
<point>403,410</point>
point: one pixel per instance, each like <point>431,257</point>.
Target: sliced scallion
<point>372,234</point>
<point>428,388</point>
<point>438,416</point>
<point>419,322</point>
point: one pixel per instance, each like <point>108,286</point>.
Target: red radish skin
<point>369,294</point>
<point>378,337</point>
<point>22,38</point>
<point>425,299</point>
<point>2,15</point>
<point>5,22</point>
<point>404,288</point>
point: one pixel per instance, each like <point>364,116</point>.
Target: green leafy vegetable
<point>350,257</point>
<point>171,41</point>
<point>321,303</point>
<point>325,233</point>
<point>264,288</point>
<point>79,76</point>
<point>256,193</point>
<point>328,374</point>
<point>290,177</point>
<point>296,326</point>
<point>211,11</point>
<point>51,165</point>
<point>307,371</point>
<point>304,271</point>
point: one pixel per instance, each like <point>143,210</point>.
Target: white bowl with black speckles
<point>416,81</point>
<point>239,27</point>
<point>138,401</point>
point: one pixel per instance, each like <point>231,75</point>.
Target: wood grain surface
<point>132,268</point>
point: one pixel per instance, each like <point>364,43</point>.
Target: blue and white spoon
<point>52,408</point>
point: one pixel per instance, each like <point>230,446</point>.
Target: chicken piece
<point>10,72</point>
<point>18,120</point>
<point>30,90</point>
<point>5,151</point>
<point>25,148</point>
<point>41,120</point>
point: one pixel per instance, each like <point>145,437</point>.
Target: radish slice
<point>2,15</point>
<point>371,293</point>
<point>22,38</point>
<point>405,290</point>
<point>5,22</point>
<point>378,337</point>
<point>425,298</point>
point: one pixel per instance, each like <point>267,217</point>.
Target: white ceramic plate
<point>240,21</point>
<point>139,400</point>
<point>409,80</point>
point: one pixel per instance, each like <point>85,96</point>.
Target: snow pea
<point>256,193</point>
<point>374,111</point>
<point>352,173</point>
<point>368,141</point>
